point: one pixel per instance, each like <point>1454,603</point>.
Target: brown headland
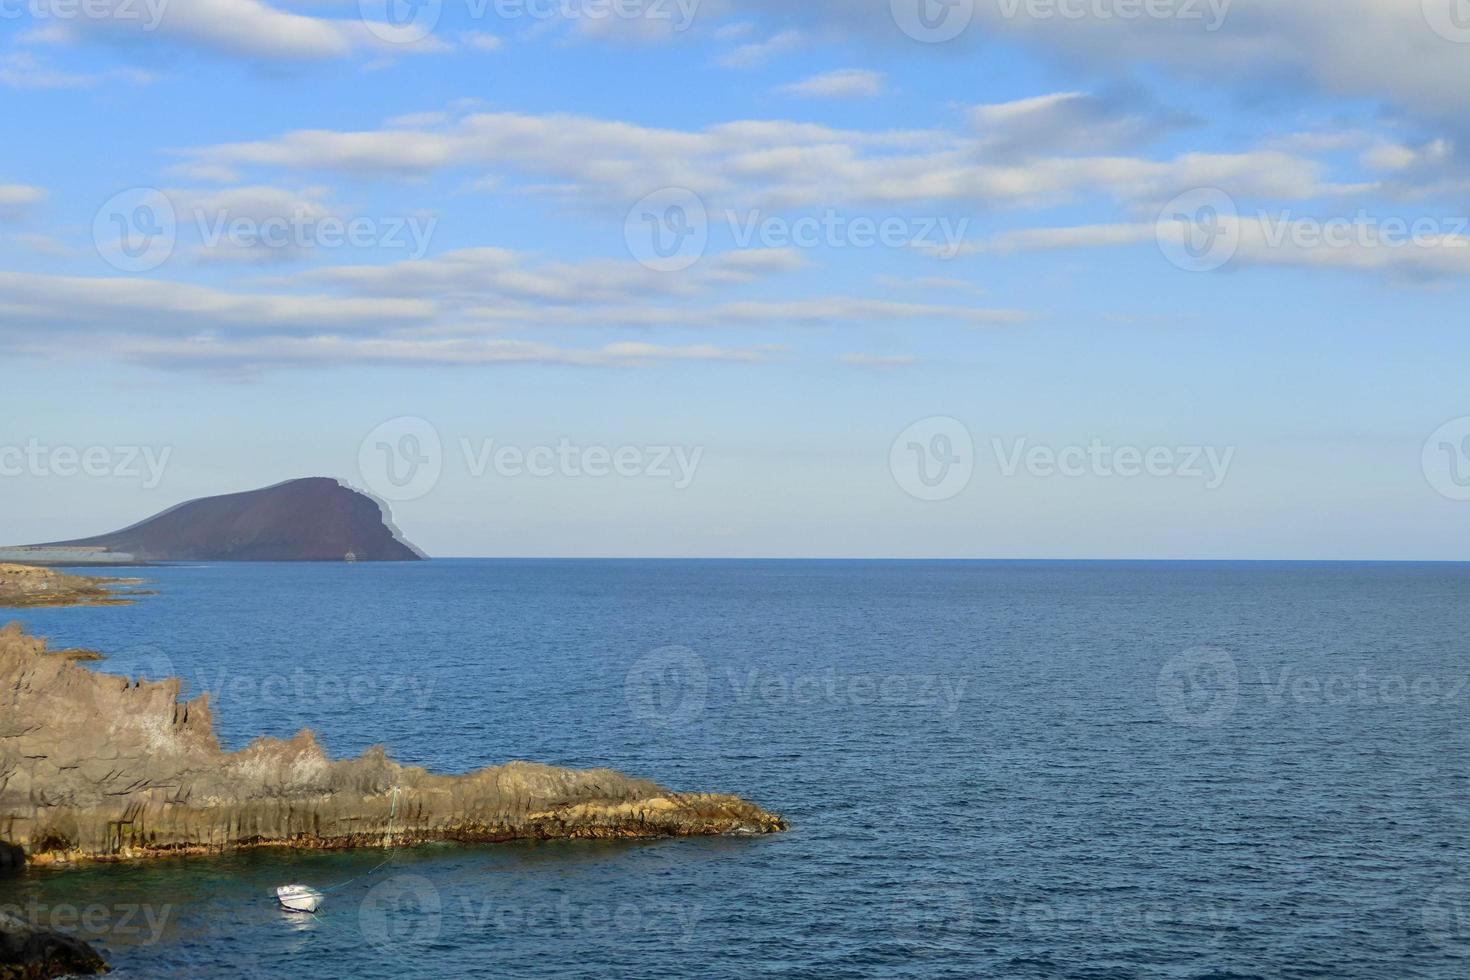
<point>101,768</point>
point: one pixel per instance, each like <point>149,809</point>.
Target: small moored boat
<point>299,898</point>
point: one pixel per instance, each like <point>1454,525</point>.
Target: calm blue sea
<point>1092,770</point>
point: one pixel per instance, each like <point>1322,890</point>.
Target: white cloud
<point>482,41</point>
<point>927,283</point>
<point>877,360</point>
<point>489,274</point>
<point>17,199</point>
<point>1376,49</point>
<point>24,70</point>
<point>1418,249</point>
<point>757,53</point>
<point>32,301</point>
<point>250,29</point>
<point>263,353</point>
<point>767,163</point>
<point>822,311</point>
<point>1070,123</point>
<point>845,83</point>
<point>212,216</point>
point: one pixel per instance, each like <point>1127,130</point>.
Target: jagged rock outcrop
<point>315,519</point>
<point>94,767</point>
<point>31,953</point>
<point>27,585</point>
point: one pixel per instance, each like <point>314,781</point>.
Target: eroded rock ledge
<point>29,585</point>
<point>96,768</point>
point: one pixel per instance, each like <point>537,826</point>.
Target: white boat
<point>299,898</point>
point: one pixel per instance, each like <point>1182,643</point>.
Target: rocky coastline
<point>101,768</point>
<point>30,586</point>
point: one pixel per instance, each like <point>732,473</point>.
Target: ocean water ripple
<point>1089,770</point>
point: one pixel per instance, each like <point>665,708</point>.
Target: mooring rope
<point>392,815</point>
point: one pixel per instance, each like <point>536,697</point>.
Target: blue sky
<point>500,168</point>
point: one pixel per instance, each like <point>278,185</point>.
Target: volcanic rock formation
<point>94,767</point>
<point>26,585</point>
<point>316,519</point>
<point>31,953</point>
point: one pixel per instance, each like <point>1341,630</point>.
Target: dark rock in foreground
<point>94,767</point>
<point>29,953</point>
<point>12,859</point>
<point>316,519</point>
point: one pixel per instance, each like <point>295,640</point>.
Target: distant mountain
<point>315,519</point>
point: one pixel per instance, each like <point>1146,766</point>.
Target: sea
<point>1101,770</point>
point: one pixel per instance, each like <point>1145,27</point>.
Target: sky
<point>746,278</point>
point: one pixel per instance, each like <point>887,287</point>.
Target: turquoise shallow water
<point>1009,769</point>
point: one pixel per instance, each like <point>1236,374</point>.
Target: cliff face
<point>315,519</point>
<point>94,767</point>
